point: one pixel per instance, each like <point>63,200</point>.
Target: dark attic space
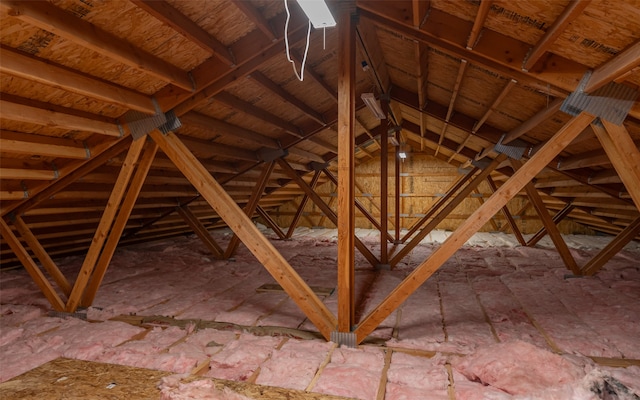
<point>320,199</point>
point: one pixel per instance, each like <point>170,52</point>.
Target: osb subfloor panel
<point>65,378</point>
<point>497,320</point>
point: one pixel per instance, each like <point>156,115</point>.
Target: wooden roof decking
<point>459,76</point>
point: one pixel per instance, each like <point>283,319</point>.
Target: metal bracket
<point>268,155</point>
<point>611,102</point>
<point>514,149</point>
<point>347,339</point>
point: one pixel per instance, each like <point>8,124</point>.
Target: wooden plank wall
<point>423,180</point>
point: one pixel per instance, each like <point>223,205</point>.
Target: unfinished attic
<point>372,200</point>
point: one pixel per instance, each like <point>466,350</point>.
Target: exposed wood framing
<point>559,216</point>
<point>106,221</point>
<point>39,116</point>
<point>270,222</point>
<point>478,23</point>
<point>53,19</point>
<point>447,209</point>
<point>303,204</point>
<point>621,240</point>
<point>31,267</point>
<point>384,197</point>
<point>164,12</point>
<point>439,203</point>
<point>571,12</point>
<point>614,68</point>
<point>325,208</point>
<point>48,73</point>
<point>346,166</point>
<point>507,214</point>
<point>45,260</point>
<point>242,226</point>
<point>472,224</point>
<point>361,208</point>
<point>149,152</point>
<point>534,121</point>
<point>250,207</point>
<point>200,230</point>
<point>452,102</point>
<point>623,154</point>
<point>547,221</point>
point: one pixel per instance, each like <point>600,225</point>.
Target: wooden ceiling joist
<point>37,115</point>
<point>29,67</point>
<point>570,13</point>
<point>170,16</point>
<point>55,20</point>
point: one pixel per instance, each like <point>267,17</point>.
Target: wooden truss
<point>140,154</point>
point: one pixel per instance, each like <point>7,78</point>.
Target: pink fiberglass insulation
<point>517,368</point>
<point>252,308</point>
<point>411,377</point>
<point>46,339</point>
<point>287,314</point>
<point>239,359</point>
<point>352,373</point>
<point>420,325</point>
<point>504,311</point>
<point>567,331</point>
<point>464,320</point>
<point>294,365</point>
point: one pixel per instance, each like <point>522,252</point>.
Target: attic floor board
<point>169,306</point>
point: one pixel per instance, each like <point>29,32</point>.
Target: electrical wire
<point>286,45</point>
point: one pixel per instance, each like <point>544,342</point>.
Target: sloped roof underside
<point>460,76</point>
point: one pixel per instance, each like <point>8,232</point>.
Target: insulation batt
<point>519,292</point>
<point>518,367</point>
<point>239,359</point>
<point>294,365</point>
<point>352,373</point>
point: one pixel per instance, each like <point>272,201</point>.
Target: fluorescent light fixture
<point>374,105</point>
<point>318,13</point>
<point>402,154</point>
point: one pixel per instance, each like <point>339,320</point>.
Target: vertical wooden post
<point>396,172</point>
<point>346,166</point>
<point>384,196</point>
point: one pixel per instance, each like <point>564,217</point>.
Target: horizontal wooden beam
<point>45,15</point>
<point>48,73</point>
<point>25,113</point>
